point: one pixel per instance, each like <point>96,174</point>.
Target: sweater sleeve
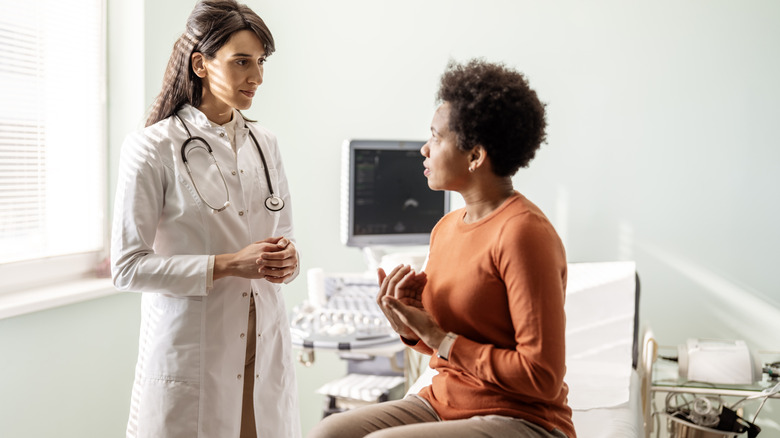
<point>530,259</point>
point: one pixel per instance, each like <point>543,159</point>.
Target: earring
<point>472,169</point>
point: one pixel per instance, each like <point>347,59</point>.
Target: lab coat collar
<point>194,116</point>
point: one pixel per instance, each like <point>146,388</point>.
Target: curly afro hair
<point>493,106</point>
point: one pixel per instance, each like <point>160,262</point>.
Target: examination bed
<point>608,363</point>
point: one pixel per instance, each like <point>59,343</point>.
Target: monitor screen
<point>385,195</point>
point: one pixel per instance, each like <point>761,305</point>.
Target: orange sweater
<point>500,284</point>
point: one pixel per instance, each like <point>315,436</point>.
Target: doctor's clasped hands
<point>275,259</point>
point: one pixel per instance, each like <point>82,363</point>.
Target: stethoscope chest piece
<point>274,203</point>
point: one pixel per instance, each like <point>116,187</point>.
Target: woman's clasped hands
<point>400,299</point>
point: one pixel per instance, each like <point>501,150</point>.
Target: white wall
<point>661,149</point>
<point>660,143</point>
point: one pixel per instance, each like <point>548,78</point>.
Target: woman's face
<point>233,75</point>
<point>446,166</point>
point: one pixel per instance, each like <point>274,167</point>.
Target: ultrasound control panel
<point>341,313</point>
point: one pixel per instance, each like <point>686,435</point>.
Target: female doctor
<point>203,227</point>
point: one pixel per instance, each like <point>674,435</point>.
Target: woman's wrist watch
<point>446,345</point>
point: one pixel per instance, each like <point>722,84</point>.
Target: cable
<point>759,409</point>
<point>766,393</point>
<point>770,393</point>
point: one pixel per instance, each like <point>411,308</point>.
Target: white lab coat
<point>189,375</point>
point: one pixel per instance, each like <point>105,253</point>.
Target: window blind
<point>52,134</point>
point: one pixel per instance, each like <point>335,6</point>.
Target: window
<point>52,140</point>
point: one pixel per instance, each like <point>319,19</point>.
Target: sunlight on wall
<point>561,221</point>
<point>625,240</point>
<point>741,309</point>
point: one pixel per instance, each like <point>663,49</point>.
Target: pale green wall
<point>662,148</point>
<point>67,372</point>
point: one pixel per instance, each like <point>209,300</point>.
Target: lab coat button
<point>238,377</point>
<point>221,134</point>
<point>242,336</point>
<point>244,294</point>
<point>233,172</point>
<point>241,213</point>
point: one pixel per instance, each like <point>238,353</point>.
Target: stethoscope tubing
<point>272,202</point>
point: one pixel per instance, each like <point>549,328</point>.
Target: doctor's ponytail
<point>209,27</point>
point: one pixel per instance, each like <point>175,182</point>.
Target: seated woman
<point>489,306</point>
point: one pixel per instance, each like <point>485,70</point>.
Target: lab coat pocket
<point>167,408</point>
<point>173,346</point>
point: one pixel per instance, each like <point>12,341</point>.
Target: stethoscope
<point>272,202</point>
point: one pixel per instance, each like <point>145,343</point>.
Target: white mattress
<point>604,390</point>
<point>599,333</point>
<point>620,421</point>
<point>623,420</point>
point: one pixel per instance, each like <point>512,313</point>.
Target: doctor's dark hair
<point>209,26</point>
<point>493,106</point>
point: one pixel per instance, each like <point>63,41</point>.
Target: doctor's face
<point>233,75</point>
<point>446,166</point>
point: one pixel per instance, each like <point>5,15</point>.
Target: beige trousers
<point>413,417</point>
<point>248,429</point>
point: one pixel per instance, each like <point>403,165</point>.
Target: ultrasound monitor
<point>386,200</point>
